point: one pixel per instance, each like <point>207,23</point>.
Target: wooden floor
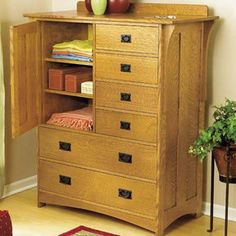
<point>29,220</point>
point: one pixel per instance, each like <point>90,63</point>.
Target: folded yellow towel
<point>79,45</point>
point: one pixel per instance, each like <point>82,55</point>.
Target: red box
<point>56,77</point>
<point>73,81</point>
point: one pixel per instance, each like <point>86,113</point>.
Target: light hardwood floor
<point>29,220</point>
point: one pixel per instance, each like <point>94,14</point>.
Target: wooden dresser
<point>149,75</point>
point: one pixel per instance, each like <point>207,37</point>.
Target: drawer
<point>127,125</point>
<point>123,193</point>
<point>127,97</point>
<point>98,152</point>
<point>126,68</point>
<point>127,38</point>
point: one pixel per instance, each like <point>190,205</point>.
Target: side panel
<point>25,77</point>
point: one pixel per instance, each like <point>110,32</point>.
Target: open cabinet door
<point>25,77</point>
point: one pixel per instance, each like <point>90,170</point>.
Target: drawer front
<point>132,195</point>
<point>127,125</point>
<point>127,38</point>
<point>98,152</point>
<point>127,97</point>
<point>126,68</point>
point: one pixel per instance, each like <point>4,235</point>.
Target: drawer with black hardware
<point>127,38</point>
<point>127,97</point>
<point>99,152</point>
<point>127,125</point>
<point>126,68</point>
<point>131,195</point>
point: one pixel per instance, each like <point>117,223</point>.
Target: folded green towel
<point>79,45</point>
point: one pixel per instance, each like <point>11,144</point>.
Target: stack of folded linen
<point>81,119</point>
<point>80,50</point>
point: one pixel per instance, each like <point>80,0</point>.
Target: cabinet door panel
<point>25,78</point>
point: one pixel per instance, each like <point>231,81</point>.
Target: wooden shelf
<point>69,61</point>
<point>81,95</point>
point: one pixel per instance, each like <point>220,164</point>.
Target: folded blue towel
<point>72,57</point>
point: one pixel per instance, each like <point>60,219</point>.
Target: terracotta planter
<point>220,156</point>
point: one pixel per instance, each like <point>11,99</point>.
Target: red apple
<point>88,5</point>
<point>117,6</point>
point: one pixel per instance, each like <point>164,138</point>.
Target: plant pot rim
<point>232,147</point>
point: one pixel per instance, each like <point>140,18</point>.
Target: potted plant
<point>220,138</point>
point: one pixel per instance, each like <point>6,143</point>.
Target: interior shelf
<point>82,95</point>
<point>69,61</point>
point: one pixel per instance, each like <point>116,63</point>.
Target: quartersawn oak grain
<point>167,83</point>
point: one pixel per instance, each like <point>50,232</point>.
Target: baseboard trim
<point>219,211</point>
<point>20,186</point>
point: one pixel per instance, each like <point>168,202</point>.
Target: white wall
<point>60,5</point>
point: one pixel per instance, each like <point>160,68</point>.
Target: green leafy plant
<point>221,133</point>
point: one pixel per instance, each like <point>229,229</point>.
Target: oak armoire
<point>149,73</point>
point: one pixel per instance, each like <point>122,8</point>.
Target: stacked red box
<point>57,77</point>
<point>73,80</point>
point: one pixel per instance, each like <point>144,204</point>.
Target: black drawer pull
<point>65,146</point>
<point>125,97</point>
<point>125,38</point>
<point>65,180</point>
<point>127,194</point>
<point>125,68</point>
<point>125,125</point>
<point>126,158</point>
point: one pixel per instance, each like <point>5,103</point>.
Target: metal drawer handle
<point>64,146</point>
<point>124,157</point>
<point>127,194</point>
<point>125,68</point>
<point>64,180</point>
<point>125,125</point>
<point>125,38</point>
<point>125,97</point>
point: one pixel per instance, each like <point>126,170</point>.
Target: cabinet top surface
<point>143,13</point>
<point>75,16</point>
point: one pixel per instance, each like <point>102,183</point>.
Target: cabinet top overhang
<point>146,13</point>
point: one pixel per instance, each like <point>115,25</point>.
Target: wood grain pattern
<point>85,149</point>
<point>143,69</point>
<point>94,187</point>
<point>72,94</point>
<point>171,111</point>
<point>189,110</point>
<point>146,222</point>
<point>141,99</point>
<point>181,52</point>
<point>25,88</point>
<point>142,127</point>
<point>167,87</point>
<point>169,9</point>
<point>109,38</point>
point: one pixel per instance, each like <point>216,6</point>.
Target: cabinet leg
<point>159,232</point>
<point>198,214</point>
<point>212,193</point>
<point>41,204</point>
